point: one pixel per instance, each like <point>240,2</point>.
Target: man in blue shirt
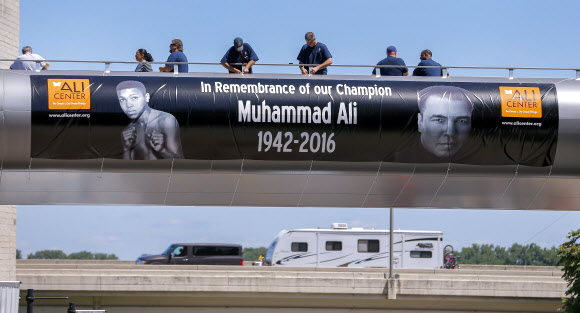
<point>314,52</point>
<point>240,52</point>
<point>426,60</point>
<point>177,55</point>
<point>392,59</point>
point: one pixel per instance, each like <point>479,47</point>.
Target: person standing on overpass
<point>26,61</point>
<point>392,59</point>
<point>240,52</point>
<point>426,60</point>
<point>314,52</point>
<point>177,55</point>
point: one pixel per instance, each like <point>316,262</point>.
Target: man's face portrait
<point>133,102</point>
<point>444,124</point>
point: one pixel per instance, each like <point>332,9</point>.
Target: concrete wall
<point>7,242</point>
<point>126,288</point>
<point>9,31</point>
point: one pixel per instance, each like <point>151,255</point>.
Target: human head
<point>26,49</point>
<point>310,39</point>
<point>444,120</point>
<point>391,50</point>
<point>142,54</point>
<point>239,44</point>
<point>426,54</point>
<point>133,98</point>
<point>176,45</point>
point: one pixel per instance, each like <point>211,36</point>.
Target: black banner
<point>293,119</point>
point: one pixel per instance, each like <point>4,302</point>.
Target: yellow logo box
<point>521,102</point>
<point>65,94</point>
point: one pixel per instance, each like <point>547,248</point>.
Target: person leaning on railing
<point>26,61</point>
<point>144,58</point>
<point>177,55</point>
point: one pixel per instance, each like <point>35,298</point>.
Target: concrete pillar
<point>9,31</point>
<point>7,242</point>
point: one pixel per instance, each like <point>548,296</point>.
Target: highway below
<point>122,286</point>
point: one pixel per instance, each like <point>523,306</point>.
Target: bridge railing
<point>444,69</point>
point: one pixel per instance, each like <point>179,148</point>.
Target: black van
<point>197,254</point>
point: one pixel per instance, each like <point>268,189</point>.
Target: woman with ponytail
<point>144,58</point>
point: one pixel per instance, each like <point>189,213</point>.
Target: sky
<point>460,33</point>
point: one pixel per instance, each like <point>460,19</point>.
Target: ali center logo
<point>69,94</point>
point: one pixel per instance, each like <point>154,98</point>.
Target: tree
<point>517,254</point>
<point>83,255</point>
<point>252,254</point>
<point>104,256</point>
<point>86,255</point>
<point>18,254</point>
<point>48,254</point>
<point>570,256</point>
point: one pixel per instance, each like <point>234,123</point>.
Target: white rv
<point>355,247</point>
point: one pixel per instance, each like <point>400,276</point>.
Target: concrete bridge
<point>125,287</point>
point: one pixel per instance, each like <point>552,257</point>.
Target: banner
<point>209,118</point>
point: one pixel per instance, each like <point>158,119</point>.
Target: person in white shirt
<point>26,61</point>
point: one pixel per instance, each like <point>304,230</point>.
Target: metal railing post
<point>107,68</point>
<point>443,73</point>
<point>175,69</point>
<point>30,301</point>
<point>391,242</point>
<point>577,74</point>
<point>511,73</point>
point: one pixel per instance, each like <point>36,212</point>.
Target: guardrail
<point>444,69</point>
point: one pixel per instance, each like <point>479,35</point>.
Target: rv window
<point>334,246</point>
<point>299,247</point>
<point>365,245</point>
<point>422,254</point>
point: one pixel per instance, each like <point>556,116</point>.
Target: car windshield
<point>169,250</point>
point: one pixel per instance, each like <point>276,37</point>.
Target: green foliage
<point>104,256</point>
<point>83,255</point>
<point>18,254</point>
<point>252,254</point>
<point>569,254</point>
<point>517,254</point>
<point>48,254</point>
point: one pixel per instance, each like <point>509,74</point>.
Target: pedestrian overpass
<point>288,140</point>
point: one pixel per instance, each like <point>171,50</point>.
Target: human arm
<point>231,68</point>
<point>128,139</point>
<point>166,141</point>
<point>249,66</point>
<point>166,68</point>
<point>303,69</point>
<point>46,66</point>
<point>404,69</point>
<point>226,62</point>
<point>253,57</point>
<point>326,56</point>
<point>169,67</point>
<point>322,66</point>
<point>300,59</point>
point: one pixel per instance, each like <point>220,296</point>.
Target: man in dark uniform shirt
<point>314,52</point>
<point>392,59</point>
<point>426,60</point>
<point>240,52</point>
